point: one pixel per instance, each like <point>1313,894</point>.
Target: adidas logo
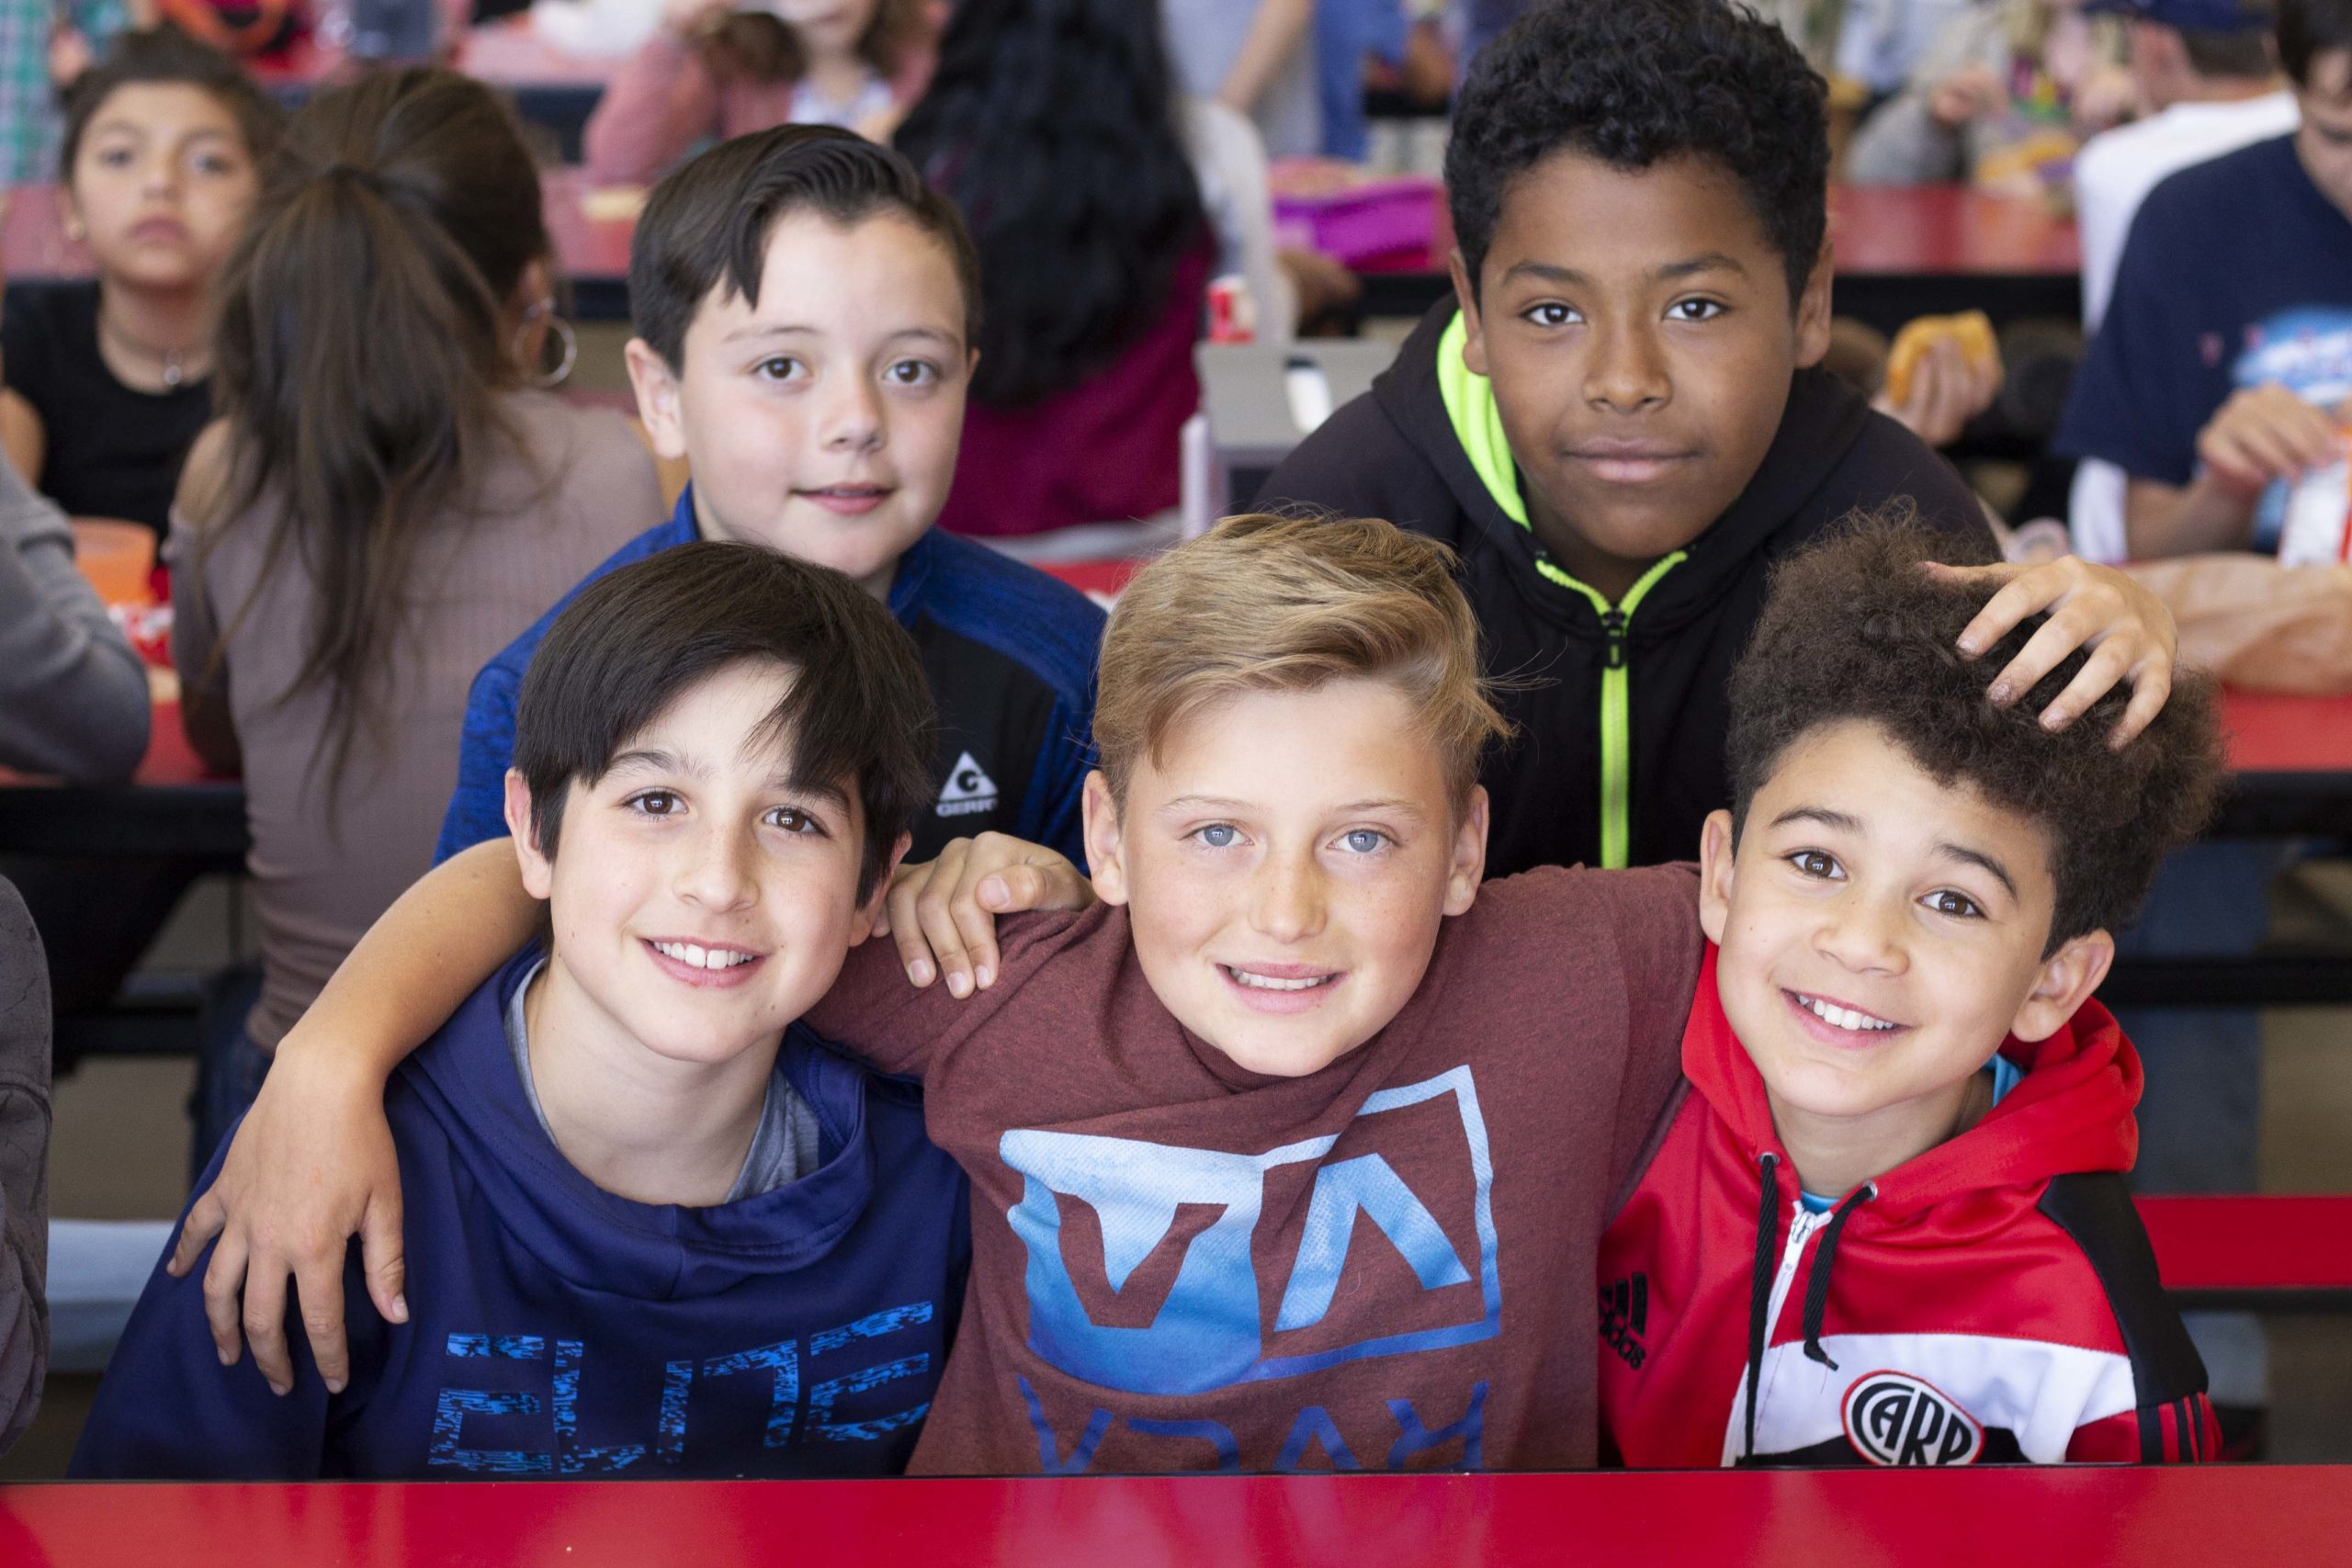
<point>969,789</point>
<point>1624,1313</point>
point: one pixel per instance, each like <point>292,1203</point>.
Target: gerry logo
<point>1206,1334</point>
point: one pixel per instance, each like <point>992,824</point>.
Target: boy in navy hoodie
<point>661,1230</point>
<point>1885,1220</point>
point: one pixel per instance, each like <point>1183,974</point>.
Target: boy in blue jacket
<point>661,1230</point>
<point>805,309</point>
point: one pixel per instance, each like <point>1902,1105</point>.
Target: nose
<point>851,420</point>
<point>160,175</point>
<point>1626,373</point>
<point>714,869</point>
<point>1861,934</point>
<point>1287,901</point>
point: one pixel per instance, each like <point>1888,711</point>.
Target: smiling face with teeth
<point>1286,859</point>
<point>701,898</point>
<point>1881,933</point>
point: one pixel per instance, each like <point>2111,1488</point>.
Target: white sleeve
<point>1229,160</point>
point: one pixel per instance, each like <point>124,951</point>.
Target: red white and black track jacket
<point>1992,1299</point>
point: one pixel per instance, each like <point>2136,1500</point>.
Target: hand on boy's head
<point>305,1120</point>
<point>943,913</point>
<point>2267,433</point>
<point>2129,631</point>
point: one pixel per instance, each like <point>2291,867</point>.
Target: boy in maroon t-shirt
<point>1297,1012</point>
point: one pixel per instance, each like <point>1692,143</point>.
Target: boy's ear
<point>2068,978</point>
<point>1813,308</point>
<point>655,386</point>
<point>871,912</point>
<point>1474,342</point>
<point>1715,868</point>
<point>1469,867</point>
<point>1105,855</point>
<point>538,872</point>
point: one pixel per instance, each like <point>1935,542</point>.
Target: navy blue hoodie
<point>556,1329</point>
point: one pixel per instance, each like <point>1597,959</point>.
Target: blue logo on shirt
<point>1208,1332</point>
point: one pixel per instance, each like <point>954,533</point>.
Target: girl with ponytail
<point>387,499</point>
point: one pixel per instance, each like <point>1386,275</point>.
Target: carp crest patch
<point>1893,1418</point>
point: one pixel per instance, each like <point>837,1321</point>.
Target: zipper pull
<point>1613,626</point>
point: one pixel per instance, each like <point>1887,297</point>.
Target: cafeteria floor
<point>120,1146</point>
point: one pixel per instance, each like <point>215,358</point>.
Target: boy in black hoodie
<point>1620,421</point>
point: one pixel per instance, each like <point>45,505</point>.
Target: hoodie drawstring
<point>1759,1290</point>
<point>1817,1289</point>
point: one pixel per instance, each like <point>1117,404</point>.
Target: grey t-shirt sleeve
<point>73,694</point>
<point>785,1145</point>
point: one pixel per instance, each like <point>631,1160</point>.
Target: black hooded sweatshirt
<point>1622,708</point>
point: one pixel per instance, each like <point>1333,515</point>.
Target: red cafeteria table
<point>2079,1518</point>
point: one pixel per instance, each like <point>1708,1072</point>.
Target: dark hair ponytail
<point>361,348</point>
<point>1052,124</point>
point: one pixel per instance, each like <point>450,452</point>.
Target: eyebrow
<point>1842,822</point>
<point>757,332</point>
<point>654,760</point>
<point>1397,804</point>
<point>1669,272</point>
<point>1979,859</point>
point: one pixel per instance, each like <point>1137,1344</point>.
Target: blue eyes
<point>1356,840</point>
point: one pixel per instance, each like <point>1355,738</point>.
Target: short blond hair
<point>1268,603</point>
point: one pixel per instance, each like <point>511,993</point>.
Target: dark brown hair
<point>2309,29</point>
<point>754,46</point>
<point>709,223</point>
<point>165,56</point>
<point>638,638</point>
<point>1854,629</point>
<point>361,348</point>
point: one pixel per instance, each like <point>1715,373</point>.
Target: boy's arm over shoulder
<point>23,1168</point>
<point>1643,927</point>
<point>875,1011</point>
<point>169,1410</point>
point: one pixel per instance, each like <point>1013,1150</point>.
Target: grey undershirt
<point>783,1146</point>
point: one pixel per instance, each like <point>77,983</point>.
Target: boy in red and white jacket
<point>1885,1220</point>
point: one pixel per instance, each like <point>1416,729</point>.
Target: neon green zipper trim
<point>1616,703</point>
<point>1477,422</point>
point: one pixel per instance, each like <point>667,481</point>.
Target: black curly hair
<point>1634,82</point>
<point>1853,629</point>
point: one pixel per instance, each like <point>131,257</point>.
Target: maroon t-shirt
<point>1178,1264</point>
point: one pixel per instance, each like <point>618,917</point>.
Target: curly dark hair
<point>1052,125</point>
<point>1634,82</point>
<point>1853,629</point>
